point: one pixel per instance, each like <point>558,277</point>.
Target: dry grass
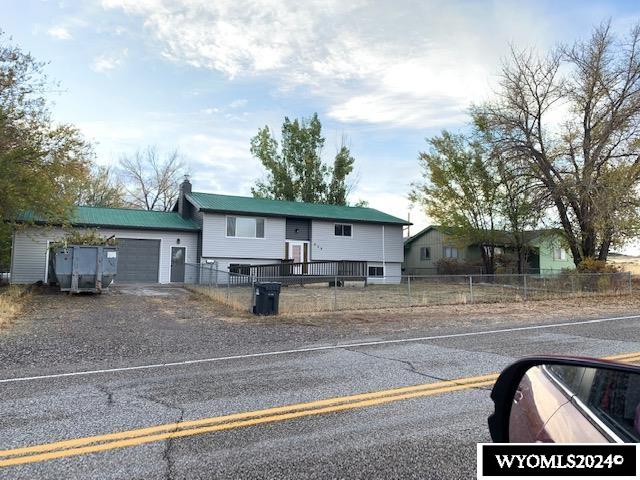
<point>11,302</point>
<point>627,263</point>
<point>296,300</point>
<point>407,318</point>
<point>237,298</point>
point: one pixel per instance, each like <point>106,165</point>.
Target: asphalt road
<point>429,436</point>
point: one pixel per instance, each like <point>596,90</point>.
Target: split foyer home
<point>424,250</point>
<point>227,231</point>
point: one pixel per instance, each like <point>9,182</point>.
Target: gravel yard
<point>155,324</point>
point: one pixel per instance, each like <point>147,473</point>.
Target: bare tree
<point>101,188</point>
<point>572,120</point>
<point>151,179</point>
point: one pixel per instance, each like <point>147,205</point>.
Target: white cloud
<point>60,33</point>
<point>100,131</point>
<point>375,62</point>
<point>107,62</point>
<point>219,163</point>
<point>239,103</point>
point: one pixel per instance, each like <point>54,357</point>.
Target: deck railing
<point>342,268</point>
<point>297,272</point>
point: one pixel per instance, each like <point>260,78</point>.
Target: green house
<point>424,250</point>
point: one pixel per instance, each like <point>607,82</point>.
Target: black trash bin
<point>266,298</point>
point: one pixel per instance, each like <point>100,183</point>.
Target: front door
<point>299,253</point>
<point>177,264</point>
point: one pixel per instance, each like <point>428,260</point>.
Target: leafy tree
<point>101,188</point>
<point>151,179</point>
<point>41,163</point>
<point>520,206</point>
<point>338,190</point>
<point>459,191</point>
<point>476,196</point>
<point>588,163</point>
<point>297,171</point>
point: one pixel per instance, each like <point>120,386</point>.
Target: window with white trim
<point>376,272</point>
<point>342,230</point>
<point>559,253</point>
<point>245,227</point>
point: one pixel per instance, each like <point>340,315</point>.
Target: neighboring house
<point>424,250</point>
<point>227,231</point>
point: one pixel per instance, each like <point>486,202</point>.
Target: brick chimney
<point>185,188</point>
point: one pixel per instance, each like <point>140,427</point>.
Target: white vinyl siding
<point>392,272</point>
<point>222,264</point>
<point>217,244</point>
<point>365,243</point>
<point>30,249</point>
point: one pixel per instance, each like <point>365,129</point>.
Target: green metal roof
<point>263,206</point>
<point>123,218</point>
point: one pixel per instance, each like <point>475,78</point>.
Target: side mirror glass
<point>576,402</point>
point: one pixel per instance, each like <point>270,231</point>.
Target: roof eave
<point>410,240</point>
<point>137,227</point>
<point>301,215</point>
<point>40,223</point>
<point>193,202</point>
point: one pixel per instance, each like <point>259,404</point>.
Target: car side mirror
<point>562,400</point>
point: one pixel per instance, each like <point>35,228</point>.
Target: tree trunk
<point>603,254</point>
<point>488,259</point>
<point>588,241</point>
<point>568,230</point>
<point>521,261</point>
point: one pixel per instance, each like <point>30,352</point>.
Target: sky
<point>202,76</point>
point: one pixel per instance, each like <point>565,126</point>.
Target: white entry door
<point>298,253</point>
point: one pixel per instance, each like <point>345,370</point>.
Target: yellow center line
<point>623,356</point>
<point>244,423</point>
<point>244,415</point>
<point>634,360</point>
<point>98,443</point>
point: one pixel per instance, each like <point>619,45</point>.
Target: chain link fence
<point>303,294</point>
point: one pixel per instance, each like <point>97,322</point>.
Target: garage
<point>138,260</point>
